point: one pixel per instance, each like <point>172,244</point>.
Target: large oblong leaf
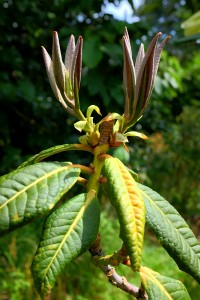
<point>160,287</point>
<point>54,150</point>
<point>68,232</point>
<point>126,198</point>
<point>173,232</point>
<point>32,191</point>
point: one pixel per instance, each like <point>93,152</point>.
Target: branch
<point>114,259</point>
<point>115,279</point>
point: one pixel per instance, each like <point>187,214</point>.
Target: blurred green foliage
<point>32,120</point>
<point>176,174</point>
<point>192,25</point>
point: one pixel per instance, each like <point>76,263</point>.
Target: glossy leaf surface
<point>172,231</point>
<point>162,287</point>
<point>126,198</point>
<point>32,191</point>
<point>68,232</point>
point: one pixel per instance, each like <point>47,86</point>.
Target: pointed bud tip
<point>55,35</point>
<point>166,39</point>
<point>159,33</point>
<point>44,51</point>
<point>125,32</point>
<point>71,37</point>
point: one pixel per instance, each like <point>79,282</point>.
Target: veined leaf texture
<point>32,191</point>
<point>125,196</point>
<point>68,232</point>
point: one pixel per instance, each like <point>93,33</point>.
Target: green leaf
<point>122,154</point>
<point>32,191</point>
<point>162,287</point>
<point>114,116</point>
<point>68,232</point>
<point>119,137</point>
<point>90,109</point>
<point>136,134</point>
<point>172,231</point>
<point>80,125</point>
<point>133,174</point>
<point>126,198</point>
<point>54,150</point>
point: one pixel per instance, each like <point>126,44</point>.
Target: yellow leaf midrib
<point>125,177</point>
<point>147,273</point>
<point>138,205</point>
<point>90,197</point>
<point>33,183</point>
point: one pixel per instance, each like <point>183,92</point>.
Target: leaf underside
<point>68,232</point>
<point>32,191</point>
<point>125,197</point>
<point>160,287</point>
<point>51,151</point>
<point>172,231</point>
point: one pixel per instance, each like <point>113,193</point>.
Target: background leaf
<point>32,191</point>
<point>172,231</point>
<point>162,287</point>
<point>68,232</point>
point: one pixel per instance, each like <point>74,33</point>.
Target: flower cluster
<point>65,77</point>
<point>138,81</point>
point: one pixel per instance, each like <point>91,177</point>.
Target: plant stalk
<point>93,182</point>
